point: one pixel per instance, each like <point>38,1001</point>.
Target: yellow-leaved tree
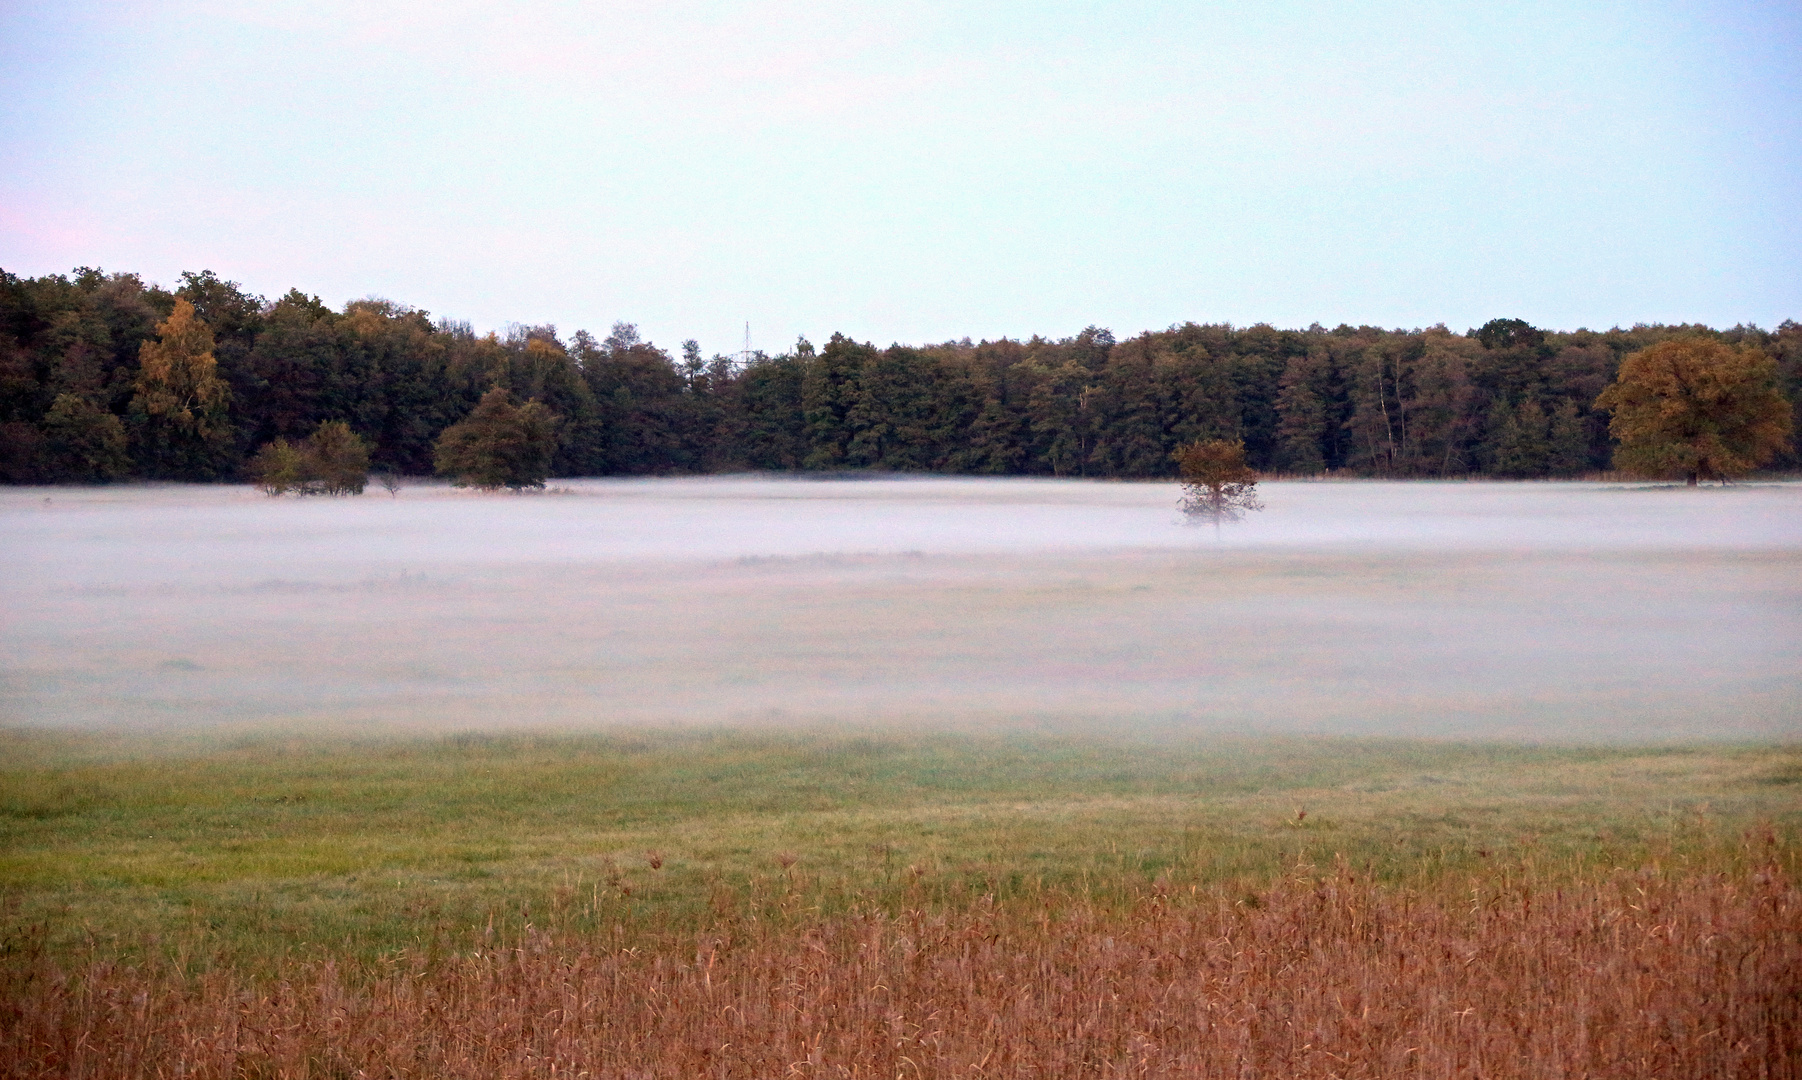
<point>1696,408</point>
<point>180,407</point>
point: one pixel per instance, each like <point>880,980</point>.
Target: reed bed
<point>1646,973</point>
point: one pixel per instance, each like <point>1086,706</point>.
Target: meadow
<point>273,847</point>
<point>424,890</point>
<point>760,778</point>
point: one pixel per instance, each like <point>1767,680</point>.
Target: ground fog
<point>1527,611</point>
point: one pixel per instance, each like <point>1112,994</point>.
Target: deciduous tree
<point>181,401</point>
<point>338,459</point>
<point>1217,484</point>
<point>83,442</point>
<point>499,444</point>
<point>331,461</point>
<point>1697,408</point>
<point>278,468</point>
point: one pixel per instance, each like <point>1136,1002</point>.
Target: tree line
<point>102,377</point>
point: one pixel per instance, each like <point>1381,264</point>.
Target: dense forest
<point>79,393</point>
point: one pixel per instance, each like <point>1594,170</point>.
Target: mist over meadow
<point>630,540</point>
<point>1519,611</point>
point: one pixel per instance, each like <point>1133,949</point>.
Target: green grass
<point>273,846</point>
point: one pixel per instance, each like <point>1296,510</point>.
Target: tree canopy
<point>332,461</point>
<point>104,376</point>
<point>499,444</point>
<point>1697,408</point>
<point>181,402</point>
<point>1217,484</point>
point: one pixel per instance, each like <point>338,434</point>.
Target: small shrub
<point>331,461</point>
<point>278,468</point>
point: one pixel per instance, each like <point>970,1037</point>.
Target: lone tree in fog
<point>1696,408</point>
<point>499,444</point>
<point>1217,484</point>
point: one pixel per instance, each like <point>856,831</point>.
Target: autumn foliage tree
<point>499,444</point>
<point>1217,484</point>
<point>1696,408</point>
<point>180,404</point>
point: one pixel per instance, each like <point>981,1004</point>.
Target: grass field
<point>275,846</point>
<point>844,904</point>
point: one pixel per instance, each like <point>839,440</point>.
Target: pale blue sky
<point>922,171</point>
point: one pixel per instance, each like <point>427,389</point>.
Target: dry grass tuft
<point>1496,975</point>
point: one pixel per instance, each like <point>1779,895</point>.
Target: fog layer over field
<point>1543,611</point>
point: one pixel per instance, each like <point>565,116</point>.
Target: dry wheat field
<point>1639,975</point>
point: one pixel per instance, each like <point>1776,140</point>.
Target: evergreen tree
<point>996,441</point>
<point>1517,444</point>
<point>769,419</point>
<point>1567,441</point>
<point>828,394</point>
<point>1302,408</point>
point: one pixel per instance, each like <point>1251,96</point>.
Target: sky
<point>921,171</point>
